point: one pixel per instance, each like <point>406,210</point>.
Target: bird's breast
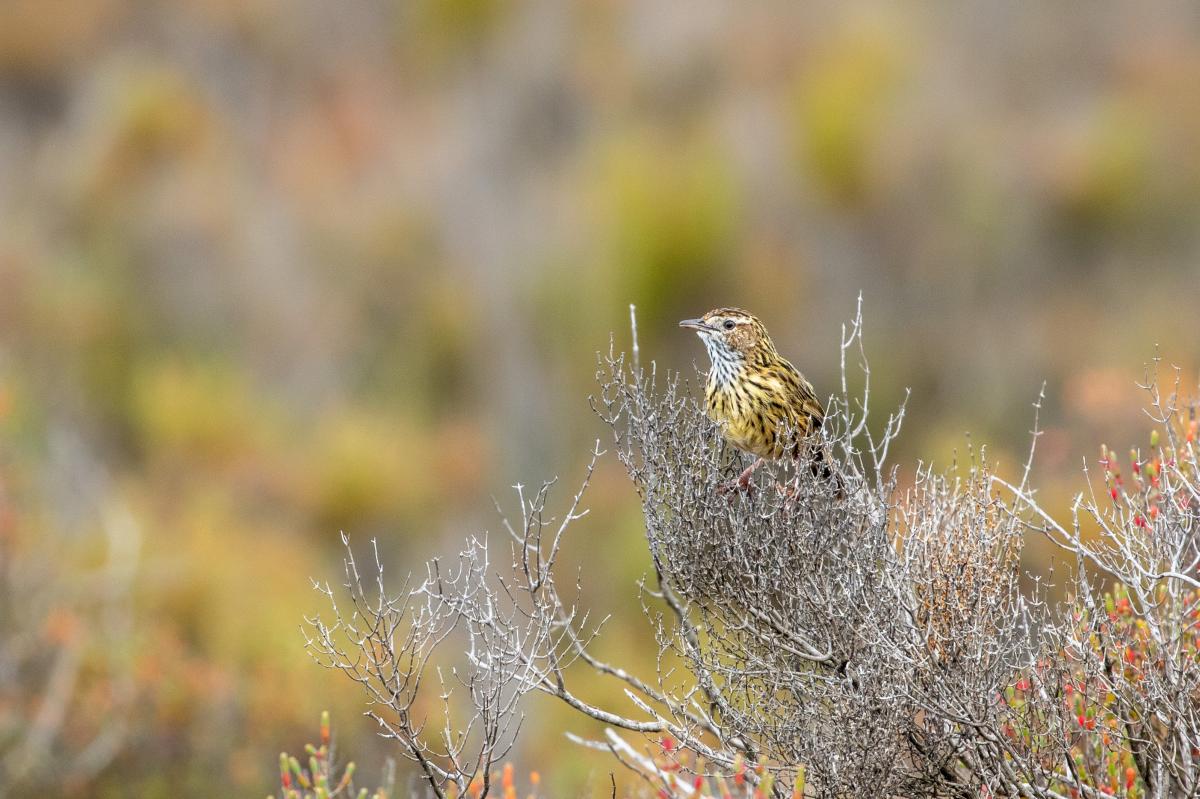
<point>744,413</point>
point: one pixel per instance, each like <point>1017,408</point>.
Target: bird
<point>762,404</point>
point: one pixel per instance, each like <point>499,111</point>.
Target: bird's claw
<point>731,488</point>
<point>790,491</point>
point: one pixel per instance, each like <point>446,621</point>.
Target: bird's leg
<point>743,480</point>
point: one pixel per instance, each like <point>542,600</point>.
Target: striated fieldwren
<point>762,403</point>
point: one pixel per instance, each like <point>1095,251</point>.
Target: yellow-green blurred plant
<point>319,776</point>
<point>671,209</point>
<point>840,108</point>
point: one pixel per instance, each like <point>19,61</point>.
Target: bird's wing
<point>803,410</point>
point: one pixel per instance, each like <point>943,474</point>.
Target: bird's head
<point>732,337</point>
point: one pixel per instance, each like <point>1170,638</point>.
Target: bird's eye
<point>730,324</point>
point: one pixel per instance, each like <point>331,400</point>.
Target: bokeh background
<point>270,270</point>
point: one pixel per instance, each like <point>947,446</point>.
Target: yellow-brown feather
<point>763,404</point>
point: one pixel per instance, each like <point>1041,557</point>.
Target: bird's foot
<point>742,483</point>
<point>731,488</point>
<point>790,491</point>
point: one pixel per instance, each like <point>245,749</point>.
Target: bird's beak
<point>694,324</point>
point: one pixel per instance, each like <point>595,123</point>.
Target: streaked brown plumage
<point>762,403</point>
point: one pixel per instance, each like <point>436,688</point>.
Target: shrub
<point>876,644</point>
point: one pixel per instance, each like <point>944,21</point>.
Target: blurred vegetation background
<point>270,270</point>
